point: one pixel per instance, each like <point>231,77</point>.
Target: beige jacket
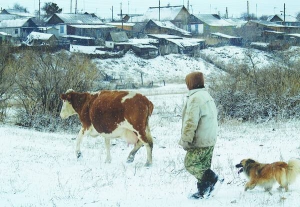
<point>199,120</point>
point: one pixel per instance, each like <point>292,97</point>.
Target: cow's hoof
<point>148,164</point>
<point>79,155</point>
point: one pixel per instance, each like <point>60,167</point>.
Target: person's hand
<point>185,145</point>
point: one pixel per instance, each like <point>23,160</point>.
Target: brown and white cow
<point>111,114</point>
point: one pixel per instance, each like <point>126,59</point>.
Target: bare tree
<point>8,70</point>
<point>17,6</point>
<point>298,16</point>
<point>45,76</point>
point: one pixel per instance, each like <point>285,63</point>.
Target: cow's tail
<point>150,108</point>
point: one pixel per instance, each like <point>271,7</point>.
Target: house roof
<point>288,18</point>
<point>294,35</point>
<point>186,42</point>
<point>213,20</point>
<point>39,36</point>
<point>8,16</point>
<point>119,36</point>
<point>4,34</point>
<point>164,36</point>
<point>78,18</point>
<point>225,35</point>
<point>17,12</point>
<point>88,26</point>
<point>266,23</point>
<point>168,13</point>
<point>236,22</point>
<point>170,25</point>
<point>13,23</point>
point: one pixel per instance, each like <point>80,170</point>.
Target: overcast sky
<point>103,8</point>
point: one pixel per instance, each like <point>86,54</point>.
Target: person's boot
<point>212,178</point>
<point>203,189</point>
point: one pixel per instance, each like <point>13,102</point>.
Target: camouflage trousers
<point>198,160</point>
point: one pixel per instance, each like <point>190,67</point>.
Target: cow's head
<point>67,108</point>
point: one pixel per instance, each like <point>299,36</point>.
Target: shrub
<point>253,94</point>
<point>43,78</point>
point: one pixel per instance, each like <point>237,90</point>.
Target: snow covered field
<point>40,168</point>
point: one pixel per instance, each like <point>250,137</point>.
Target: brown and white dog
<point>266,175</point>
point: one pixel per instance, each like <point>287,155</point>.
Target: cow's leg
<point>78,142</point>
<point>107,146</point>
<point>136,148</point>
<point>149,147</point>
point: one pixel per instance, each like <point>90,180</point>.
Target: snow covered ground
<point>40,168</point>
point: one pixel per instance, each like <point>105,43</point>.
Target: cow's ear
<point>63,96</point>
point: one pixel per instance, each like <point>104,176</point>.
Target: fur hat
<point>194,80</point>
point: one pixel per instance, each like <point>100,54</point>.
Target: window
<point>16,31</point>
<point>62,29</point>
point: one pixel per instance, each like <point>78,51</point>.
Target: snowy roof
<point>274,32</point>
<point>8,16</point>
<point>78,18</point>
<point>17,12</point>
<point>213,20</point>
<point>224,35</point>
<point>164,36</point>
<point>142,46</point>
<point>170,25</point>
<point>236,22</point>
<point>288,18</point>
<point>39,36</point>
<point>4,34</point>
<point>166,13</point>
<point>186,42</point>
<point>13,23</point>
<point>78,37</point>
<point>266,23</point>
<point>88,26</point>
<point>143,41</point>
<point>120,23</point>
<point>294,35</point>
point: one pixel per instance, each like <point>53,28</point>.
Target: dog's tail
<point>293,170</point>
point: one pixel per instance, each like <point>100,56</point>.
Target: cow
<point>111,114</point>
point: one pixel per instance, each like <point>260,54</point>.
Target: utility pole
<point>75,6</point>
<point>39,11</point>
<point>121,16</point>
<point>112,13</point>
<point>188,5</point>
<point>159,11</point>
<point>71,7</point>
<point>226,13</point>
<point>284,14</point>
<point>248,16</point>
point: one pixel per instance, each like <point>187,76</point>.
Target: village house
<point>5,38</point>
<point>172,44</point>
<point>225,39</point>
<point>68,24</point>
<point>178,15</point>
<point>210,23</point>
<point>166,27</point>
<point>19,29</point>
<point>268,31</point>
<point>39,39</point>
<point>117,41</point>
<point>286,20</point>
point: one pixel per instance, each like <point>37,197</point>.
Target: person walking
<point>199,134</point>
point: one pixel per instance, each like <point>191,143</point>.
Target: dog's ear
<point>249,161</point>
